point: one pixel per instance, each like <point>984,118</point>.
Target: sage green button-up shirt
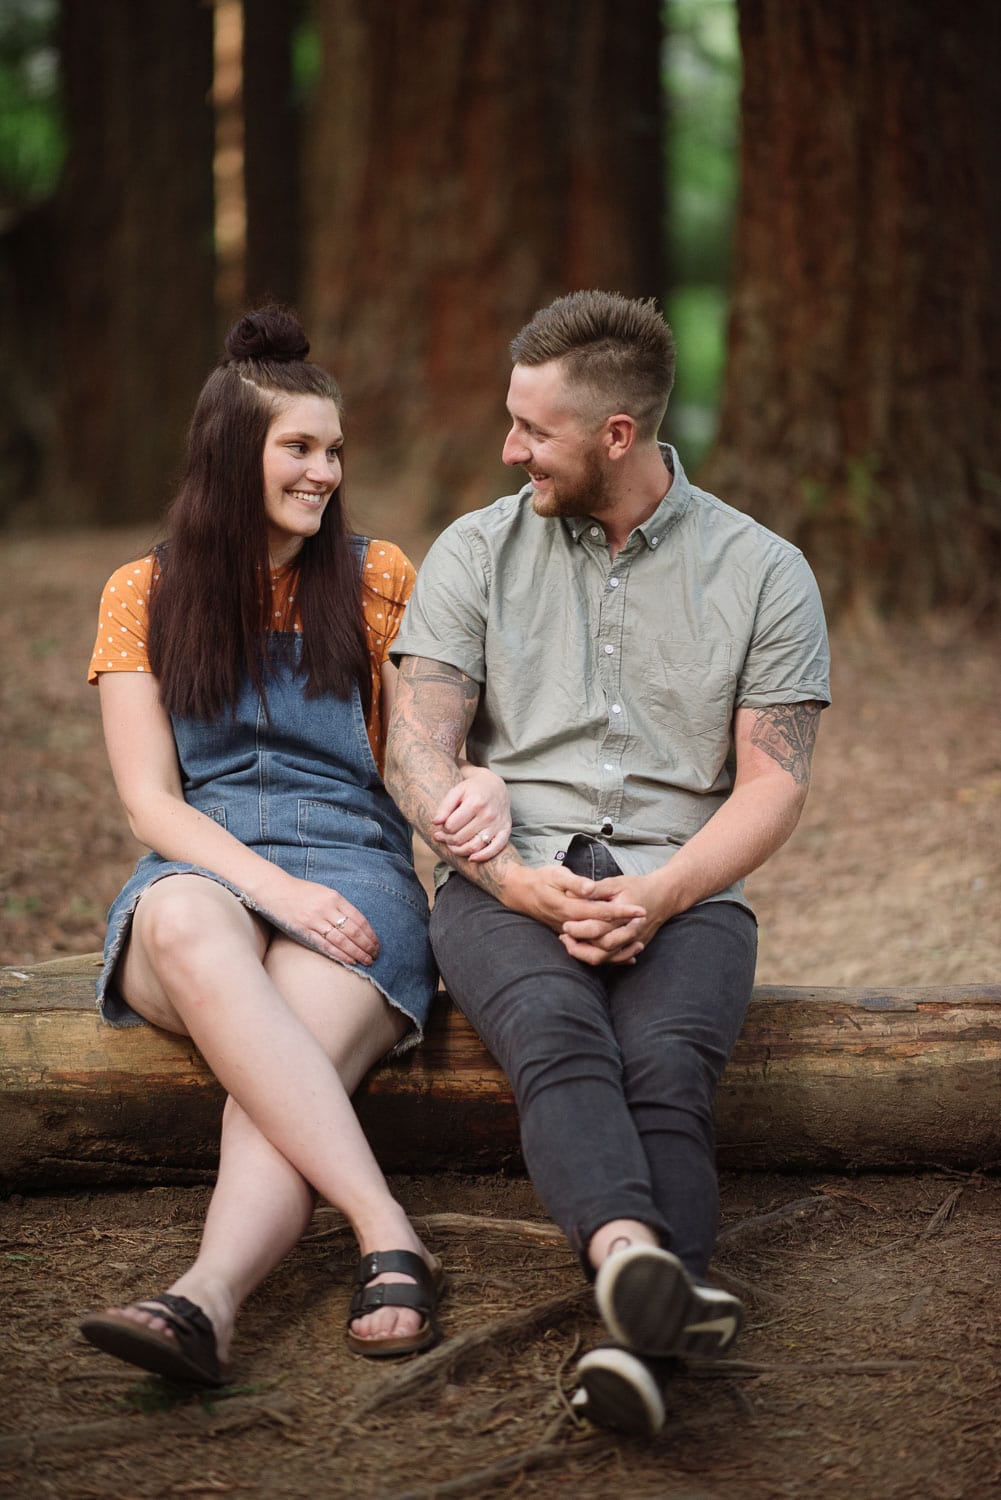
<point>608,688</point>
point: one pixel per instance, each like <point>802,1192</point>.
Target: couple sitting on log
<point>602,719</point>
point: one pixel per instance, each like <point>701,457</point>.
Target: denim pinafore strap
<point>295,780</point>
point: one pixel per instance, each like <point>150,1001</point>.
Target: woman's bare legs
<point>289,1034</point>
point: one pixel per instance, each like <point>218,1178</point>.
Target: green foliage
<point>702,79</point>
<point>307,57</point>
<point>31,136</point>
<point>698,316</point>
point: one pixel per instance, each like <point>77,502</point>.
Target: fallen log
<point>830,1078</point>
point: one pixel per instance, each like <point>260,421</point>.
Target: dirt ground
<point>871,1365</point>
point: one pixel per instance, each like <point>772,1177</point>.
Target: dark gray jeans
<point>614,1069</point>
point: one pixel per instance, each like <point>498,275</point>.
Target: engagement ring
<point>485,837</point>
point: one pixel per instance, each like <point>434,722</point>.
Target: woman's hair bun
<point>267,333</point>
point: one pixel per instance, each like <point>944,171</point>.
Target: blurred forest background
<point>810,190</point>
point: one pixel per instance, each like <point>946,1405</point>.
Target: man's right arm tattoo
<point>434,708</point>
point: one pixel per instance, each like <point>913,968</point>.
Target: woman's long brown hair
<point>208,608</point>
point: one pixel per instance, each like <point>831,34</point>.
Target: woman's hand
<point>473,820</point>
<point>322,918</point>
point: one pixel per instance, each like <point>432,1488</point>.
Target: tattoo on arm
<point>788,732</point>
<point>434,708</point>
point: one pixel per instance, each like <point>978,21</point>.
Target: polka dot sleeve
<point>388,578</point>
<point>120,644</point>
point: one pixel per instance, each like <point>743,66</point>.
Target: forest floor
<point>871,1364</point>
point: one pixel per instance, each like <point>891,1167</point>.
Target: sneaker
<point>620,1390</point>
<point>650,1304</point>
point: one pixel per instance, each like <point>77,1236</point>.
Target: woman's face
<point>302,468</point>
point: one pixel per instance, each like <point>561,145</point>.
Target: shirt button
<point>613,583</point>
<point>609,650</point>
<point>654,540</point>
<point>595,531</point>
<point>616,709</point>
<point>609,766</point>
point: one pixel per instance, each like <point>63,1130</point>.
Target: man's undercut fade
<point>618,354</point>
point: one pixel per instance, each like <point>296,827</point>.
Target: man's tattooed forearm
<point>788,732</point>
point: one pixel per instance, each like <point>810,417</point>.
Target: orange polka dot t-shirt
<point>386,584</point>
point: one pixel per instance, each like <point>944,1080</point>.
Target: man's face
<point>548,438</point>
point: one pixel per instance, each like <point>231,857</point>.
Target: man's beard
<point>583,495</point>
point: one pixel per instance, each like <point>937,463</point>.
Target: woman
<point>244,688</point>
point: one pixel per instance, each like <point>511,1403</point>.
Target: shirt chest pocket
<point>689,689</point>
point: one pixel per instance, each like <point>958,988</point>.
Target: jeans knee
<point>554,1043</point>
<point>676,1075</point>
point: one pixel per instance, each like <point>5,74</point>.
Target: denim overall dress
<point>302,789</point>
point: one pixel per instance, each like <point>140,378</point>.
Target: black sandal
<point>189,1356</point>
<point>422,1297</point>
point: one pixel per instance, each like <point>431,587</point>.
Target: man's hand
<point>560,899</point>
<point>604,938</point>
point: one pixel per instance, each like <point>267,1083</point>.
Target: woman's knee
<point>180,917</point>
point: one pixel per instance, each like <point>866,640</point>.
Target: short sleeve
<point>788,660</point>
<point>120,643</point>
<point>387,582</point>
<point>446,617</point>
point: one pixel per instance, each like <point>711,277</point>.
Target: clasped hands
<point>598,921</point>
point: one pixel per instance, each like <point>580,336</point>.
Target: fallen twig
<point>818,1367</point>
<point>420,1376</point>
<point>796,1209</point>
<point>212,1414</point>
<point>448,1223</point>
<point>479,1481</point>
<point>529,1229</point>
<point>944,1212</point>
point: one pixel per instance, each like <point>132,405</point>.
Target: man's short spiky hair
<point>618,354</point>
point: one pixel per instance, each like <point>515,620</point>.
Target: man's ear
<point>619,435</point>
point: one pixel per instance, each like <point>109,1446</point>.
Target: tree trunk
<point>271,152</point>
<point>468,163</point>
<point>820,1078</point>
<point>136,258</point>
<point>860,414</point>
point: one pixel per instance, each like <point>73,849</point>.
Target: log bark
<point>829,1078</point>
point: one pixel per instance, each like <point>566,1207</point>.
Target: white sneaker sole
<point>618,1391</point>
<point>649,1302</point>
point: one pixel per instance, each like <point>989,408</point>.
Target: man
<point>644,667</point>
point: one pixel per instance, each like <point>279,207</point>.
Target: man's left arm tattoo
<point>788,732</point>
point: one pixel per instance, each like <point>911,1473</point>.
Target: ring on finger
<point>340,923</point>
<point>484,837</point>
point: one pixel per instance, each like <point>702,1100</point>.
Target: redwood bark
<point>468,163</point>
<point>860,413</point>
<point>136,256</point>
<point>271,152</point>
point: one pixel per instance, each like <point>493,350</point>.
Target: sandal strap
<point>368,1299</point>
<point>186,1318</point>
<point>405,1262</point>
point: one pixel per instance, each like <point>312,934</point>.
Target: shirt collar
<point>668,512</point>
